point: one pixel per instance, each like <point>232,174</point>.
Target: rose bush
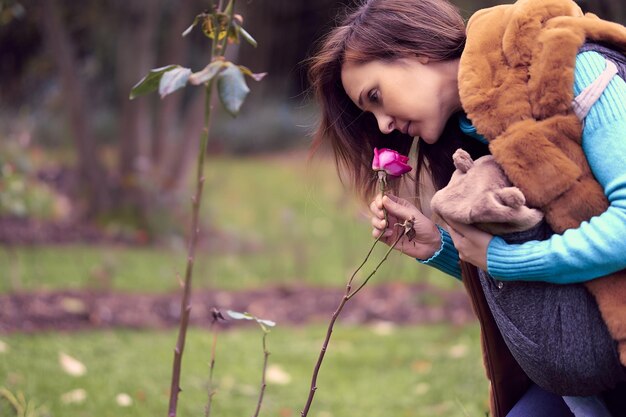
<point>390,161</point>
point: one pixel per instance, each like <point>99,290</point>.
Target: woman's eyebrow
<point>361,98</point>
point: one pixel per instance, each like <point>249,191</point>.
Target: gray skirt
<point>555,332</point>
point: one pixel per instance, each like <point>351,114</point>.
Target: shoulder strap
<point>583,101</point>
<point>615,65</point>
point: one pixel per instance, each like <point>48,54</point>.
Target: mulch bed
<point>396,303</point>
<point>26,231</point>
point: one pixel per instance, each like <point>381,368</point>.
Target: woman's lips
<point>410,129</point>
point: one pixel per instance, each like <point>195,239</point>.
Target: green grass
<point>277,221</point>
<point>412,371</point>
<point>272,221</point>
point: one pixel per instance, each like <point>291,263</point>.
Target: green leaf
<point>247,36</point>
<point>173,80</point>
<point>264,324</point>
<point>150,82</point>
<point>268,323</point>
<point>207,73</point>
<point>193,25</point>
<point>239,316</point>
<point>232,88</point>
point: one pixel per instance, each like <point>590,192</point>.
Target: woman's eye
<point>373,96</point>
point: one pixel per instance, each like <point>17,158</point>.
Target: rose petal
<point>376,161</point>
<point>390,161</point>
<point>386,157</point>
<point>397,168</point>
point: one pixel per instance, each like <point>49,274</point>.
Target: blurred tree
<point>95,51</point>
<point>91,172</point>
<point>126,37</point>
<point>614,10</point>
<point>99,50</point>
<point>286,31</point>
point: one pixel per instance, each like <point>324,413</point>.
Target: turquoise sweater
<point>597,247</point>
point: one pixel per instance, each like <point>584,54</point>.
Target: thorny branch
<point>408,227</point>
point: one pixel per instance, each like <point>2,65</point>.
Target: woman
<point>391,73</point>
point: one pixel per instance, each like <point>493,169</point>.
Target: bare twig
<point>217,315</point>
<point>266,355</point>
<point>365,281</point>
<point>348,295</point>
<point>186,301</point>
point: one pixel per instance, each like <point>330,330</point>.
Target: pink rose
<point>391,162</point>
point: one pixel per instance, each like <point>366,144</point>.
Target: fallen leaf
<point>285,412</point>
<point>383,328</point>
<point>123,400</point>
<point>458,351</point>
<point>421,367</point>
<point>73,305</point>
<point>277,375</point>
<point>248,390</point>
<point>422,388</point>
<point>71,366</point>
<point>76,396</point>
<point>4,348</point>
<point>140,396</point>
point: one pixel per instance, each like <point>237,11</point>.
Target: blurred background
<point>94,214</point>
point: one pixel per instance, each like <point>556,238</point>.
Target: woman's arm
<point>446,259</point>
<point>598,246</point>
<point>431,244</point>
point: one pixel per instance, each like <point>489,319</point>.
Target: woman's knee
<point>537,402</point>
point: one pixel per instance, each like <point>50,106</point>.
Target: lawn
<point>368,371</point>
<point>270,220</point>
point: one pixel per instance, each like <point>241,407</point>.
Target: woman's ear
<point>423,60</point>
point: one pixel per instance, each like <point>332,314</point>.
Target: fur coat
<point>516,85</point>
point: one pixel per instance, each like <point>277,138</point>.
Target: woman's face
<point>412,95</point>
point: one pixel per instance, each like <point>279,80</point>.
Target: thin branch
<point>211,390</point>
<point>230,9</point>
<point>186,302</point>
<point>400,236</point>
<point>364,260</point>
<point>266,355</point>
<point>348,295</point>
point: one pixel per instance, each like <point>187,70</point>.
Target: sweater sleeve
<point>596,248</point>
<point>446,259</point>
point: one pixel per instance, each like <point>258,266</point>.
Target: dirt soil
<point>396,303</point>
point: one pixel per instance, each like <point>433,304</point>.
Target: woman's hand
<point>427,238</point>
<point>472,243</point>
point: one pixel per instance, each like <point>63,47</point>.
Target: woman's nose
<point>385,123</point>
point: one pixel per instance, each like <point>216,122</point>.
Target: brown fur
<point>515,82</point>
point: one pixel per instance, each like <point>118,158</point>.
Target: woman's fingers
<point>386,233</point>
<point>471,243</point>
<point>398,209</point>
<point>378,223</point>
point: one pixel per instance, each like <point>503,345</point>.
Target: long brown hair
<point>384,30</point>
